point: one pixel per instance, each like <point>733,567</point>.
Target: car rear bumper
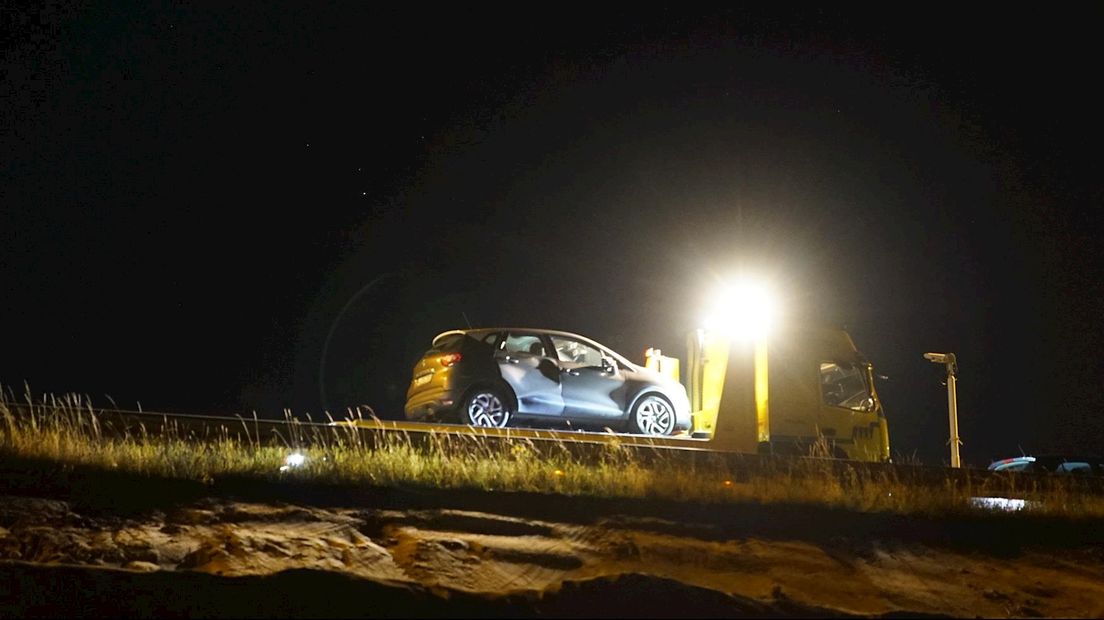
<point>432,404</point>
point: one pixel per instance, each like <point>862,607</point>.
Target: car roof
<point>1051,457</point>
<point>1015,460</point>
<point>536,330</point>
<point>1070,458</point>
<point>1050,461</point>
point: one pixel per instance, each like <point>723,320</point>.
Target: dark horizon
<point>193,198</point>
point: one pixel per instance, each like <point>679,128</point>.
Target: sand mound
<point>443,562</point>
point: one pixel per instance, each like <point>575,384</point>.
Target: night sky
<point>195,201</point>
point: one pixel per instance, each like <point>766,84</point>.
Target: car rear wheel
<point>486,407</point>
<point>652,415</point>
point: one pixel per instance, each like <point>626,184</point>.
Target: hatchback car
<point>495,377</point>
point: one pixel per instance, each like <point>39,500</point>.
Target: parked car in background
<point>1085,465</point>
<point>495,377</point>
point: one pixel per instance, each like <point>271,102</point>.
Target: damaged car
<point>498,377</point>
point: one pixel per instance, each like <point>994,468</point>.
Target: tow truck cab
<point>805,391</point>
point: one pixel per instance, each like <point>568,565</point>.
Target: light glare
<point>745,309</point>
<point>999,503</point>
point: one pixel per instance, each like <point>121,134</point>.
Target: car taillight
<point>449,360</point>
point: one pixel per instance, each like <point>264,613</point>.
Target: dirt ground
<point>463,555</point>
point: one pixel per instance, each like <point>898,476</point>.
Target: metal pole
<point>952,408</point>
<point>951,364</point>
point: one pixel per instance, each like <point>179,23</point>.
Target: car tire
<point>652,414</point>
<point>486,407</point>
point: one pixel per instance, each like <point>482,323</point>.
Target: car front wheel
<point>652,415</point>
<point>486,407</point>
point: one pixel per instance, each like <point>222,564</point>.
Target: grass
<point>68,429</point>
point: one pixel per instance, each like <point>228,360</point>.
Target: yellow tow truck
<point>802,391</point>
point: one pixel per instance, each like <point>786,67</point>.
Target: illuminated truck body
<point>803,391</point>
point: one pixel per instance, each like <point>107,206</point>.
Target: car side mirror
<point>608,365</point>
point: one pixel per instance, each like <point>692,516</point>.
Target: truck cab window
<point>843,384</point>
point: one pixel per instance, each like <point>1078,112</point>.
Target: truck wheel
<point>487,407</point>
<point>652,415</point>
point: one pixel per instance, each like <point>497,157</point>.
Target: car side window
<point>569,350</point>
<point>524,343</point>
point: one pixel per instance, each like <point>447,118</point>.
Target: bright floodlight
<point>745,309</point>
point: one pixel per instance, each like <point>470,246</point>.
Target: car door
<point>590,391</point>
<point>526,364</point>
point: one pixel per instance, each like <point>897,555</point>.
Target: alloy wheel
<point>654,416</point>
<point>486,409</point>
